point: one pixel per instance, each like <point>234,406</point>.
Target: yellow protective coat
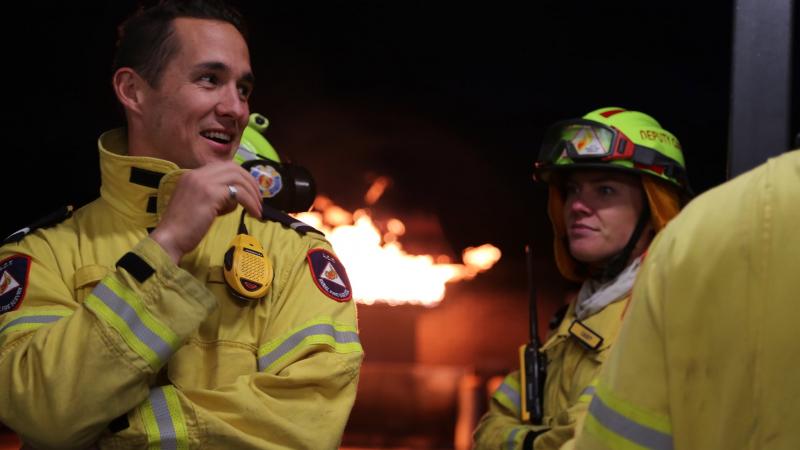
<point>190,365</point>
<point>707,358</point>
<point>571,366</point>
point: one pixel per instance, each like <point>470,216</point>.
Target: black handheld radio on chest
<point>532,362</point>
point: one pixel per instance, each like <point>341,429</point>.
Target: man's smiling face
<point>198,110</point>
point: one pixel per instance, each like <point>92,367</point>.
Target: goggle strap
<point>649,157</point>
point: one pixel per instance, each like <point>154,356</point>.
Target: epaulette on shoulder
<point>49,220</point>
<point>284,219</point>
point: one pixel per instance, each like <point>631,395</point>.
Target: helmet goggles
<point>579,141</point>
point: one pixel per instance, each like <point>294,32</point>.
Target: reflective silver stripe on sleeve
<point>586,394</point>
<point>166,430</point>
<point>341,337</point>
<point>630,430</point>
<point>126,313</point>
<point>511,436</point>
<point>30,319</point>
<point>512,395</point>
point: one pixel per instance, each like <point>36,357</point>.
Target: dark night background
<point>448,100</point>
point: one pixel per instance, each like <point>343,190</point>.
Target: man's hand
<point>200,196</point>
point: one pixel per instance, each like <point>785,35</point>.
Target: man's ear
<point>130,89</point>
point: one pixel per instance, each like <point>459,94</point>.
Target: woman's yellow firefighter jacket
<point>575,354</point>
<point>104,341</point>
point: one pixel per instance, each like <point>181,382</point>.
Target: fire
<point>378,267</point>
<point>376,190</point>
<point>481,258</point>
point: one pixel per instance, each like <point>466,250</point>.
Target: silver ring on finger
<point>232,191</point>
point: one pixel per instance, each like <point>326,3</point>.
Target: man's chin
<point>215,158</point>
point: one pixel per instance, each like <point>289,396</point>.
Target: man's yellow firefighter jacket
<point>574,356</point>
<point>708,357</point>
<point>104,341</point>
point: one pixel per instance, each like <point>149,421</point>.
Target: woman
<point>615,177</point>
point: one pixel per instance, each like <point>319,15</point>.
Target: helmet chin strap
<point>618,262</point>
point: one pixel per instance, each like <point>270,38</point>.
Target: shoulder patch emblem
<point>13,281</point>
<point>329,275</point>
<point>269,180</point>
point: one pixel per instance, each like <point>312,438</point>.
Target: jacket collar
<point>604,324</point>
<point>137,187</point>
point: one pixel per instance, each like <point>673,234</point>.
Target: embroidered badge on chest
<point>13,281</point>
<point>329,275</point>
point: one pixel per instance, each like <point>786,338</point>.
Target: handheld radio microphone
<point>246,268</point>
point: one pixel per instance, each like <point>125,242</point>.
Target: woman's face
<point>601,209</point>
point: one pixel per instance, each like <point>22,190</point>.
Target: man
<point>616,177</point>
<point>120,326</point>
<point>707,357</point>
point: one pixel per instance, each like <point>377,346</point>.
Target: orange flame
<point>379,269</point>
<point>376,190</point>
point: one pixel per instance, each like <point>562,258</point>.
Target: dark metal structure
<point>761,83</point>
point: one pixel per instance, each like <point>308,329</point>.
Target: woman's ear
<point>129,88</point>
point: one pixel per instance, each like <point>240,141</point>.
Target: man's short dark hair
<point>146,40</point>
